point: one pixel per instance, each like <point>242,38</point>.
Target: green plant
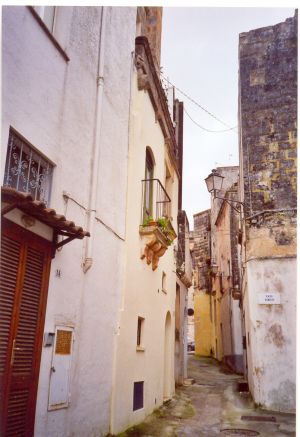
<point>147,221</point>
<point>162,222</point>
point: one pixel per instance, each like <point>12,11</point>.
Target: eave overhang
<point>149,80</point>
<point>14,199</point>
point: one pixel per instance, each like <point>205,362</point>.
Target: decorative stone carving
<point>156,244</point>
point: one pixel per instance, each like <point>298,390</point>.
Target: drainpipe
<point>88,258</point>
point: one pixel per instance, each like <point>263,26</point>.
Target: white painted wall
<point>51,102</point>
<point>271,353</point>
<point>236,321</point>
<point>142,293</point>
<point>181,345</point>
<point>190,319</point>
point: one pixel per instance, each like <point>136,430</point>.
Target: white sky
<point>200,57</point>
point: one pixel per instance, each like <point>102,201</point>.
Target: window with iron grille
<point>26,169</point>
<point>138,395</point>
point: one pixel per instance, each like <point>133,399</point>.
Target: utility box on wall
<point>59,390</point>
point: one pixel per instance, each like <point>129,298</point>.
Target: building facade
<point>203,322</point>
<point>218,321</point>
<point>268,171</point>
<point>66,80</point>
<point>226,280</point>
<point>183,283</point>
<point>145,349</point>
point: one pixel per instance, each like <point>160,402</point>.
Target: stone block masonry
<point>268,184</point>
<point>268,116</point>
<point>201,252</point>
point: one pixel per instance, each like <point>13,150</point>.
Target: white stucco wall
<point>142,293</point>
<point>51,102</point>
<point>271,353</point>
<point>231,333</point>
<point>236,328</point>
<point>181,345</point>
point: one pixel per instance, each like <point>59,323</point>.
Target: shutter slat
<point>29,311</point>
<point>24,270</point>
<point>10,255</point>
<point>17,411</point>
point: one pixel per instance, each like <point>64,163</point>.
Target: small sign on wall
<point>269,298</point>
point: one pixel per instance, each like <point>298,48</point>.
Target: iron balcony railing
<point>156,202</point>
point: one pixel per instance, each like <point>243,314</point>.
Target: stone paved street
<point>212,407</point>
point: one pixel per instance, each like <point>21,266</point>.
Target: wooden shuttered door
<point>24,276</point>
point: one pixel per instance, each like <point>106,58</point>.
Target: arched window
<point>148,187</point>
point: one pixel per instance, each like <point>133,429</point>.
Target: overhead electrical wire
<point>200,106</point>
<point>208,130</point>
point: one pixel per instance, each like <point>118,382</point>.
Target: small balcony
<point>156,224</point>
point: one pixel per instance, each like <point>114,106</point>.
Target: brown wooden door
<point>24,276</point>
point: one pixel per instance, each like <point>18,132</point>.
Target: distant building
<point>268,183</point>
<point>218,327</point>
<point>183,258</point>
<point>201,241</point>
<point>183,283</point>
<point>226,279</point>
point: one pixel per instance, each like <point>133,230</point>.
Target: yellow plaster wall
<point>203,325</point>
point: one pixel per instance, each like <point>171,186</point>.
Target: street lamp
<point>214,183</point>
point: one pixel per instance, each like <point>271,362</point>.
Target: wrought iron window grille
<point>156,202</point>
<point>27,170</point>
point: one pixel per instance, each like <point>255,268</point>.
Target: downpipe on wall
<point>88,257</point>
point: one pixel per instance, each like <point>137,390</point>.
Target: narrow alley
<point>148,256</point>
<point>212,406</point>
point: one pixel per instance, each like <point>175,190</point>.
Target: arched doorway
<point>167,358</point>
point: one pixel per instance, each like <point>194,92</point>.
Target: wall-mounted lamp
<point>214,183</point>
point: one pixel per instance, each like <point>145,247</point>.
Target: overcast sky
<point>200,57</point>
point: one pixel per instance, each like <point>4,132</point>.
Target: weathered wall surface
<point>272,333</point>
<point>143,295</point>
<point>226,238</point>
<point>223,255</point>
<point>268,116</point>
<point>272,234</point>
<point>51,102</point>
<point>149,24</point>
<point>203,324</point>
<point>184,282</point>
<point>201,250</point>
<point>181,335</point>
<point>202,283</point>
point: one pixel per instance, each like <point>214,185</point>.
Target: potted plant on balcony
<point>149,221</point>
<point>166,228</point>
<point>159,235</point>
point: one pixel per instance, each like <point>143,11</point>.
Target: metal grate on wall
<point>26,169</point>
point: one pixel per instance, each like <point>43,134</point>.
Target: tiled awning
<point>37,209</point>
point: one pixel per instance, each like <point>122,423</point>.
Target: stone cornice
<point>148,80</point>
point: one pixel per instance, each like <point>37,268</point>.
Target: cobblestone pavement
<point>212,407</point>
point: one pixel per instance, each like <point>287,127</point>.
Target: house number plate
<point>269,298</point>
